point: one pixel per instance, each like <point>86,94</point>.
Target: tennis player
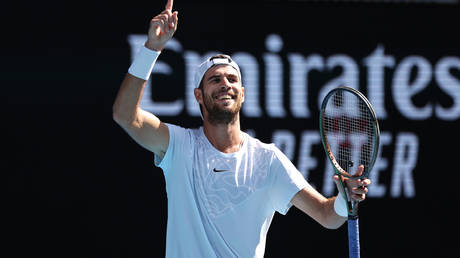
<point>223,186</point>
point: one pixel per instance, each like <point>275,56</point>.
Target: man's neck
<point>226,138</point>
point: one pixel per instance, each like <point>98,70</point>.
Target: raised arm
<point>145,128</point>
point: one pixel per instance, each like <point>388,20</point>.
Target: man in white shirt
<point>223,185</point>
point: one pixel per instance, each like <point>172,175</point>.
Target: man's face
<point>222,94</point>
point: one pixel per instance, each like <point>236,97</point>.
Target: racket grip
<point>353,237</point>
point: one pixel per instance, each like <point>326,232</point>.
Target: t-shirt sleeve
<point>286,182</point>
<point>179,143</point>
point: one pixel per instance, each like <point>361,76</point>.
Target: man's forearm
<point>320,208</point>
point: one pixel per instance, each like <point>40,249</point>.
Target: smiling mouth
<point>224,97</point>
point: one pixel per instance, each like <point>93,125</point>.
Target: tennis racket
<point>350,135</point>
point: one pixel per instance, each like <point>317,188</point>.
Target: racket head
<point>349,131</point>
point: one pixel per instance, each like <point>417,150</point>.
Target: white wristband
<point>340,206</point>
<point>143,63</point>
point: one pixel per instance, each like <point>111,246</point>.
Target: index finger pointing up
<point>169,5</point>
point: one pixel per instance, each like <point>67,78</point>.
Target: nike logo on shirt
<point>219,170</point>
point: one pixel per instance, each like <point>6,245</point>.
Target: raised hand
<point>162,28</point>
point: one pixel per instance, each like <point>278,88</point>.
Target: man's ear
<point>242,93</point>
<point>198,95</point>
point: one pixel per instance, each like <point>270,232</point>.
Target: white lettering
<point>381,164</point>
<point>376,63</point>
<point>348,77</point>
<point>405,160</point>
<point>450,85</point>
<point>300,67</point>
<point>306,161</point>
<point>348,106</point>
<point>274,77</point>
<point>403,90</point>
<point>250,72</point>
<point>265,80</point>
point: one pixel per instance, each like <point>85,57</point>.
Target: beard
<point>218,115</point>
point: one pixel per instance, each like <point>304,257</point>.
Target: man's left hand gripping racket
<point>350,135</point>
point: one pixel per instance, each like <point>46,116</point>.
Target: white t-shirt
<point>220,204</point>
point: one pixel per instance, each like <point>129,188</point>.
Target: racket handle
<point>353,236</point>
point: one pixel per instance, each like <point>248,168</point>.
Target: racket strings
<point>348,126</point>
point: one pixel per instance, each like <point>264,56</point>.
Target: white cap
<point>212,61</point>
